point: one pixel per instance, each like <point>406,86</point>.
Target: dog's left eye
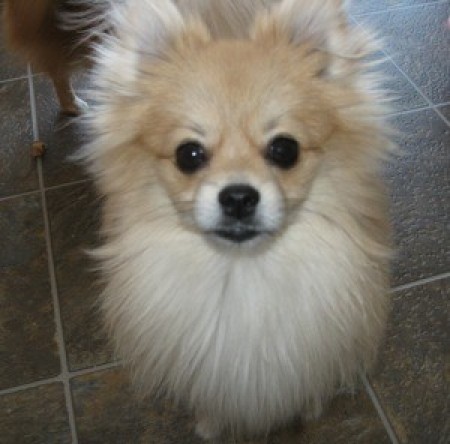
<point>190,157</point>
<point>283,152</point>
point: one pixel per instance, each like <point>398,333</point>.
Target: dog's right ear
<point>145,31</point>
<point>141,33</point>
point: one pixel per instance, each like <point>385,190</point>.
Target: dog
<point>34,29</point>
<point>246,243</point>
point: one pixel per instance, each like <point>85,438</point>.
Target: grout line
<point>14,79</point>
<point>420,108</point>
<point>61,378</point>
<point>431,105</point>
<point>408,111</point>
<point>400,8</point>
<point>31,385</point>
<point>51,267</point>
<point>440,105</point>
<point>33,104</point>
<point>16,196</point>
<point>51,188</point>
<point>439,113</point>
<point>67,184</point>
<point>389,58</point>
<point>95,369</point>
<point>376,402</point>
<point>420,282</point>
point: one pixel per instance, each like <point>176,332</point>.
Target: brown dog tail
<point>25,19</point>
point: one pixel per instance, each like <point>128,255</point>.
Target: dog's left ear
<point>320,24</point>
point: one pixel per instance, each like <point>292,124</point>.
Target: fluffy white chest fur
<point>249,340</point>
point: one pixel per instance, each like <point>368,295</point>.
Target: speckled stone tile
<point>412,381</point>
<point>350,419</point>
<point>370,6</point>
<point>402,94</point>
<point>418,39</point>
<point>17,167</point>
<point>107,411</point>
<point>28,350</point>
<point>420,197</point>
<point>445,110</point>
<point>62,135</point>
<point>35,416</point>
<point>74,220</point>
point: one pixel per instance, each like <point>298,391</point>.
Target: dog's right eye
<point>190,157</point>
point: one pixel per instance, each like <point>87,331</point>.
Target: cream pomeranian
<point>246,244</point>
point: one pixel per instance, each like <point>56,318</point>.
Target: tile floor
<point>59,382</point>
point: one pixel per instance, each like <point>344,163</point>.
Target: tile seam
<point>29,386</point>
<point>421,282</point>
<point>431,105</point>
<point>51,268</point>
<point>14,79</point>
<point>67,184</point>
<point>60,378</point>
<point>378,407</point>
<point>19,195</point>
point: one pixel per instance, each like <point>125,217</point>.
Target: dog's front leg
<point>69,102</point>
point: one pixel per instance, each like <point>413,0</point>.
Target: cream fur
<point>247,339</point>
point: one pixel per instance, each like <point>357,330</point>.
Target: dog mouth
<point>237,235</point>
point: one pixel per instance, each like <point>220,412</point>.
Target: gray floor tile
<point>28,349</point>
<point>445,110</point>
<point>74,219</point>
<point>350,419</point>
<point>62,135</point>
<point>17,167</point>
<point>369,6</point>
<point>418,40</point>
<point>107,411</point>
<point>412,378</point>
<point>35,416</point>
<point>420,194</point>
<point>403,95</point>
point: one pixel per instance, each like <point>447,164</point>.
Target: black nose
<point>239,201</point>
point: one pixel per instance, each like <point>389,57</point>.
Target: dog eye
<point>190,157</point>
<point>283,151</point>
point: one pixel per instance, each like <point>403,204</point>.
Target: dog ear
<point>143,32</point>
<point>320,24</point>
<point>151,26</point>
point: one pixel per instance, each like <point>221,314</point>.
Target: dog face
<point>237,130</point>
<point>240,131</point>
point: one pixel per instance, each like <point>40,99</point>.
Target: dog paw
<point>207,429</point>
<point>311,414</point>
<point>75,108</point>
